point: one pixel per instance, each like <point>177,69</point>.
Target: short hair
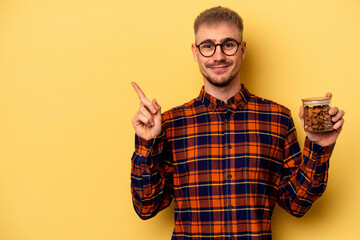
<point>218,14</point>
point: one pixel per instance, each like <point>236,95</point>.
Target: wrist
<point>146,147</point>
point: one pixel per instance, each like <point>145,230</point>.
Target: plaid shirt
<point>226,165</point>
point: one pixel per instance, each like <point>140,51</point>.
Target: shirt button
<point>229,146</point>
<point>232,237</point>
<point>145,173</point>
<point>227,116</point>
<point>230,207</point>
<point>229,176</point>
<point>147,146</point>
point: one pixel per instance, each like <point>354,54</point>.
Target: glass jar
<point>316,114</point>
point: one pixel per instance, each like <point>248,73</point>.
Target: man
<point>227,156</point>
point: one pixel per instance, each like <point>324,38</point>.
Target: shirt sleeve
<point>151,176</point>
<point>304,175</point>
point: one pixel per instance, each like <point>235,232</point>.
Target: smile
<point>219,69</point>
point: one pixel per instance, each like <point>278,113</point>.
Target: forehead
<point>217,32</point>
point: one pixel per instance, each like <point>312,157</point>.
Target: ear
<point>243,48</point>
<point>194,51</point>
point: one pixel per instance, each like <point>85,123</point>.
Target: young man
<point>227,156</point>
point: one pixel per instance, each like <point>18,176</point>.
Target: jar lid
<point>316,100</point>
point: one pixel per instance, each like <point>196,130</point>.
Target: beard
<point>219,81</point>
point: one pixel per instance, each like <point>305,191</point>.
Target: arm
<point>151,171</point>
<point>304,176</point>
<point>151,176</point>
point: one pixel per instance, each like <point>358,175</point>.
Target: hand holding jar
<point>321,122</point>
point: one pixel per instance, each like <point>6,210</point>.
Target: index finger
<point>139,92</point>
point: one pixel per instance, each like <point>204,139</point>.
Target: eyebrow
<point>221,40</point>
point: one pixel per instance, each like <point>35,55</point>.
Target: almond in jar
<point>316,114</point>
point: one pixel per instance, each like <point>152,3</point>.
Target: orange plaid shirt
<point>226,165</point>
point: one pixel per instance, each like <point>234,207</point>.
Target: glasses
<point>228,47</point>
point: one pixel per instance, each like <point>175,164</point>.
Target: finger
<point>156,105</point>
<point>144,120</point>
<point>339,124</point>
<point>301,113</point>
<point>136,119</point>
<point>138,90</point>
<point>143,100</point>
<point>144,111</point>
<point>148,104</point>
<point>333,111</point>
<point>329,94</point>
<point>338,116</point>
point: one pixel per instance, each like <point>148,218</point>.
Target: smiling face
<point>219,70</point>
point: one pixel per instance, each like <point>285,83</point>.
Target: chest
<point>227,144</point>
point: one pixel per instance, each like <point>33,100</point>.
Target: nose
<point>218,54</point>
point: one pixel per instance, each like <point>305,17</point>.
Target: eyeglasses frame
<point>221,46</point>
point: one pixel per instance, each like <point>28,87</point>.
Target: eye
<point>206,46</point>
<point>229,44</point>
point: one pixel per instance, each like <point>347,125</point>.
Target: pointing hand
<point>147,121</point>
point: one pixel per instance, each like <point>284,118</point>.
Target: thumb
<point>301,115</point>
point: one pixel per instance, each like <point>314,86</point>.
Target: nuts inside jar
<point>317,118</point>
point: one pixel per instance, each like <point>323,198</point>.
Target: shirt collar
<point>238,101</point>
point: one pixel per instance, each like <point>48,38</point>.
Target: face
<point>219,69</point>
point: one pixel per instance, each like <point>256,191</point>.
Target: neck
<point>223,93</point>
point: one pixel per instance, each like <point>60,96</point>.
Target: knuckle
<point>146,113</point>
<point>146,101</point>
<point>136,117</point>
<point>143,109</point>
<point>142,118</point>
<point>146,121</point>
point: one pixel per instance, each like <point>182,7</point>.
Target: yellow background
<point>66,105</point>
